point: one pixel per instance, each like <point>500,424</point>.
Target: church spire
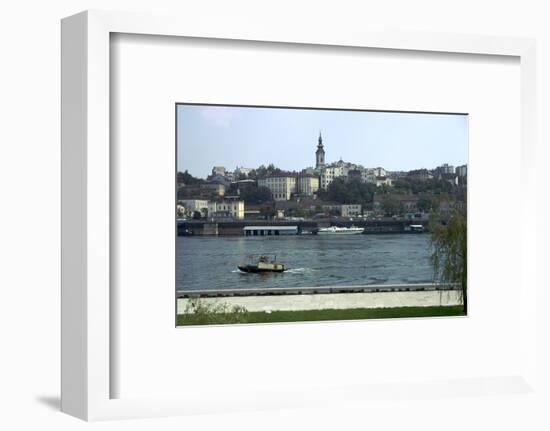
<point>320,153</point>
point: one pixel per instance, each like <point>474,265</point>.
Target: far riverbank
<point>236,227</point>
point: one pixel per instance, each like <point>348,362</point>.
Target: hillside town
<point>339,189</point>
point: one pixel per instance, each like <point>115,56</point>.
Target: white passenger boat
<point>418,228</point>
<point>335,230</point>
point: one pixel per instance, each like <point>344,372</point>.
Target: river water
<point>313,261</point>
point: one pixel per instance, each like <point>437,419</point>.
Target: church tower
<point>320,153</point>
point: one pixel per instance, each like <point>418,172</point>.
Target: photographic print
<point>300,214</point>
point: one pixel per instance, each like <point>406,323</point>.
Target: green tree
<point>427,204</point>
<point>255,195</point>
<point>384,189</point>
<point>298,212</point>
<point>391,205</point>
<point>430,186</point>
<point>262,171</point>
<point>449,255</point>
<point>203,312</point>
<point>188,179</point>
<point>267,212</point>
<point>348,192</point>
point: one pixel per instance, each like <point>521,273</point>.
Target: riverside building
<point>231,208</point>
<point>282,186</point>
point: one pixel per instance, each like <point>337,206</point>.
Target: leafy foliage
<point>212,313</point>
<point>255,195</point>
<point>449,257</point>
<point>189,179</point>
<point>391,205</point>
<point>348,192</point>
<point>267,212</point>
<point>427,204</point>
<point>410,186</point>
<point>262,171</point>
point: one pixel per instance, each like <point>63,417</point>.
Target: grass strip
<point>317,315</point>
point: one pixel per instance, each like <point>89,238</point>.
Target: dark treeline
<point>348,192</point>
<point>188,179</point>
<point>409,186</point>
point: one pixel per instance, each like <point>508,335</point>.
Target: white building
<point>379,172</point>
<point>241,171</point>
<point>383,181</point>
<point>351,210</point>
<point>192,205</point>
<point>233,208</point>
<point>335,170</point>
<point>327,176</point>
<point>218,170</point>
<point>462,171</point>
<point>282,186</point>
<point>341,169</point>
<point>446,169</point>
<point>307,185</point>
<point>368,176</point>
<point>345,210</point>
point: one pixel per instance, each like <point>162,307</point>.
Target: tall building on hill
<point>320,153</point>
<point>282,186</point>
<point>446,169</point>
<point>461,171</point>
<point>307,185</point>
<point>218,170</point>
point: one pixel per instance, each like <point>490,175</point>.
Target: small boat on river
<point>264,264</point>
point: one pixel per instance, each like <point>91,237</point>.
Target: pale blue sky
<point>238,136</point>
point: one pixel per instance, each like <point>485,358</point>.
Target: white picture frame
<point>87,342</point>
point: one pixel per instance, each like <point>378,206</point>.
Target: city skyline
<point>253,136</point>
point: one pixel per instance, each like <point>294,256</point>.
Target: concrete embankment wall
<point>337,300</point>
<point>235,228</point>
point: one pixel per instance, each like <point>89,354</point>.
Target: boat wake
<point>298,271</point>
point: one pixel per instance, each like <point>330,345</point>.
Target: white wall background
<point>30,183</point>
